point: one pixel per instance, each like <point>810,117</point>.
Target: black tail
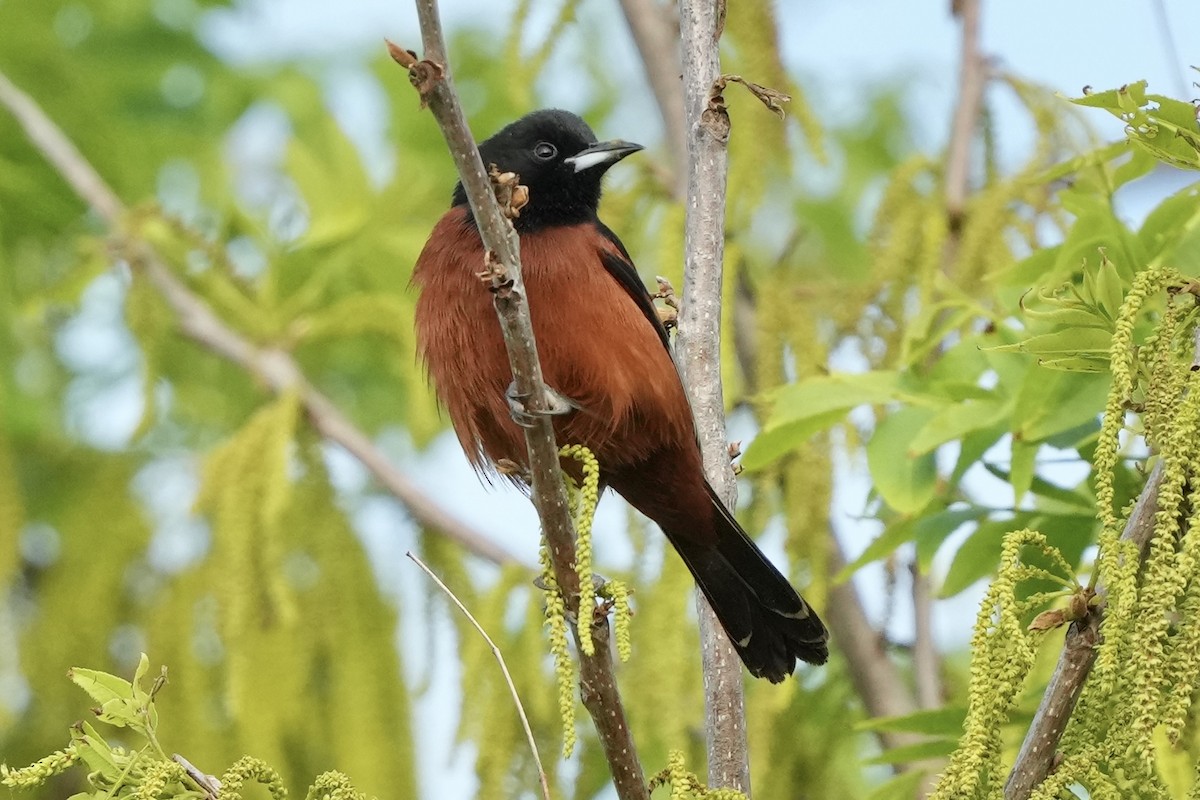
<point>768,622</point>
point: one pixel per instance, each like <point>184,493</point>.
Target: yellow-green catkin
<point>156,778</point>
<point>1166,572</point>
<point>40,771</point>
<point>618,592</point>
<point>685,785</point>
<point>564,667</point>
<point>333,786</point>
<point>246,769</point>
<point>1117,560</point>
<point>583,509</point>
<point>1003,653</point>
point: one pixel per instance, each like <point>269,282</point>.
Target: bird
<point>605,351</point>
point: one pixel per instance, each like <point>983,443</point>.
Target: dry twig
<point>537,758</point>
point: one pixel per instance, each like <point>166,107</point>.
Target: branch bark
<point>1036,756</point>
<point>598,685</point>
<point>927,664</point>
<point>972,81</point>
<point>698,347</point>
<point>274,368</point>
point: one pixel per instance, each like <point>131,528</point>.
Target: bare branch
<point>537,758</point>
<point>926,663</point>
<point>274,368</point>
<point>972,81</point>
<point>598,685</point>
<point>698,348</point>
<point>1036,756</point>
<point>655,32</point>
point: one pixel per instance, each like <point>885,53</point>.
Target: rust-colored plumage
<point>603,348</point>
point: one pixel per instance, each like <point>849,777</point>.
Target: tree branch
<point>598,685</point>
<point>926,663</point>
<point>274,368</point>
<point>698,347</point>
<point>1036,756</point>
<point>972,81</point>
<point>656,34</point>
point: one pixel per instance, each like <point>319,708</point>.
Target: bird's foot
<point>556,404</point>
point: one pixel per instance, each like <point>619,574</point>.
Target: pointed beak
<point>602,153</point>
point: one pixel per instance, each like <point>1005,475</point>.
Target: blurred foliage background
<point>155,497</point>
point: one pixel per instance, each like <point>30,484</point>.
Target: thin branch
<point>1036,756</point>
<point>60,152</point>
<point>655,29</point>
<point>274,368</point>
<point>972,81</point>
<point>698,349</point>
<point>537,758</point>
<point>598,686</point>
<point>926,662</point>
<point>877,682</point>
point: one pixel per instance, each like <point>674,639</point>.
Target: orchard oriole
<point>604,349</point>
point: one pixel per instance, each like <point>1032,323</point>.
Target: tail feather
<point>768,622</point>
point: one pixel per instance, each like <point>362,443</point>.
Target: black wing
<point>621,267</point>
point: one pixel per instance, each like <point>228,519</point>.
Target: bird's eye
<point>544,151</point>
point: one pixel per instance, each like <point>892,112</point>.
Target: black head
<point>557,156</point>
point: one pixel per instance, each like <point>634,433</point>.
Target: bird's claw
<point>556,404</point>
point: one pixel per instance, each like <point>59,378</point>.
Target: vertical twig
<point>698,349</point>
<point>926,664</point>
<point>598,686</point>
<point>972,78</point>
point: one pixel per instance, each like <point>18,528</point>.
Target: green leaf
<point>901,787</point>
<point>101,686</point>
<point>775,442</point>
<point>934,748</point>
<point>1115,100</point>
<point>936,526</point>
<point>1024,455</point>
<point>96,752</point>
<point>819,395</point>
<point>906,480</point>
<point>1051,402</point>
<point>956,421</point>
<point>1065,343</point>
<point>881,546</point>
<point>1173,226</point>
<point>946,721</point>
<point>1052,498</point>
<point>972,448</point>
<point>979,555</point>
<point>931,531</point>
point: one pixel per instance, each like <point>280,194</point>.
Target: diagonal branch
<point>274,368</point>
<point>598,685</point>
<point>1036,757</point>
